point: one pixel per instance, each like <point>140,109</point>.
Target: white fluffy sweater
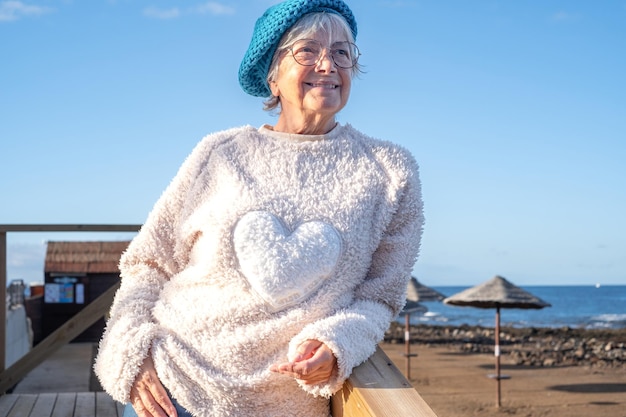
<point>262,241</point>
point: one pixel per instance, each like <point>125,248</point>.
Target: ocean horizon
<point>576,306</point>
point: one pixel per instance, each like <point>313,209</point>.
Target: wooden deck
<point>64,404</point>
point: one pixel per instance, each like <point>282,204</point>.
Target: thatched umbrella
<point>415,292</point>
<point>496,293</point>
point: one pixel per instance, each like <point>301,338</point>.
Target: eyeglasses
<point>308,52</point>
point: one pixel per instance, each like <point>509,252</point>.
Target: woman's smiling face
<point>313,94</point>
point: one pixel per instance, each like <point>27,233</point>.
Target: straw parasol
<point>415,292</point>
<point>496,293</point>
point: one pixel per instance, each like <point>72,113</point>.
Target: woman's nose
<point>326,62</point>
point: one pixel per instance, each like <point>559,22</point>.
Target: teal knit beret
<point>268,31</point>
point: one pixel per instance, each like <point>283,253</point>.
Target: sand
<point>456,384</point>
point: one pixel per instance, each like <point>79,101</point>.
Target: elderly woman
<point>274,262</point>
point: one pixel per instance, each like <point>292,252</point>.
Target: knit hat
<point>268,31</point>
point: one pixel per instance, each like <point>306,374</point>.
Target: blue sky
<point>515,111</point>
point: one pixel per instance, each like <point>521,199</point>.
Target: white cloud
<point>14,10</point>
<point>399,4</point>
<point>213,8</point>
<point>164,14</point>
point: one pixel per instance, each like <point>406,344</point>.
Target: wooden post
<point>407,344</point>
<point>497,354</point>
<point>3,298</point>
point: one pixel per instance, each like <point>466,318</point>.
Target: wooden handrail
<point>377,388</point>
<point>3,298</point>
<point>69,227</point>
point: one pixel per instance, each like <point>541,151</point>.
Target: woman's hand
<point>148,396</point>
<point>314,364</point>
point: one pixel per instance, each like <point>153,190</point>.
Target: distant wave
<point>608,321</point>
<point>433,317</point>
<point>599,321</point>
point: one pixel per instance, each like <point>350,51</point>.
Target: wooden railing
<point>376,388</point>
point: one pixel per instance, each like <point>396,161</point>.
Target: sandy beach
<point>453,378</point>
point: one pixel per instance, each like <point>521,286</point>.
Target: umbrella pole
<point>407,345</point>
<point>497,354</point>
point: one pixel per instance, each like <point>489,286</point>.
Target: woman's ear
<point>274,88</point>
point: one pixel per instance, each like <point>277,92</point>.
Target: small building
<point>76,273</point>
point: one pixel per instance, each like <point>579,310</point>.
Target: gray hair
<point>306,27</point>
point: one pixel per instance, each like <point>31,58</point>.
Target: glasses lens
<point>308,52</point>
<point>345,54</point>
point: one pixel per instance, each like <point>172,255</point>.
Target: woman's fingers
<point>146,405</point>
<point>314,364</point>
<point>319,368</point>
<point>307,349</point>
<point>148,396</point>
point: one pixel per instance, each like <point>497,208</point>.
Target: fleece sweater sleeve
<point>353,333</point>
<point>154,255</point>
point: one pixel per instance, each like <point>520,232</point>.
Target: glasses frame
<point>355,60</point>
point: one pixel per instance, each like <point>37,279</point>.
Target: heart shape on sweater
<point>285,267</point>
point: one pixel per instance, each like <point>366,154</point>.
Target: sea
<point>591,307</point>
